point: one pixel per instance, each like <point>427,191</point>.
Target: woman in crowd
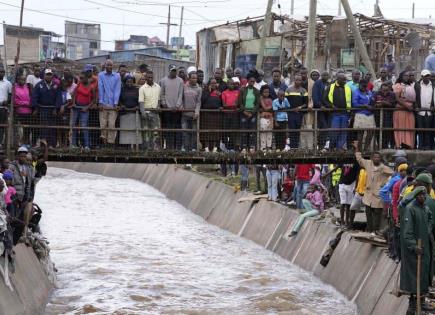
<point>403,117</point>
<point>281,117</point>
<point>249,101</point>
<point>211,99</point>
<point>83,99</point>
<point>231,114</point>
<point>21,95</point>
<point>129,105</point>
<point>364,119</point>
<point>266,118</point>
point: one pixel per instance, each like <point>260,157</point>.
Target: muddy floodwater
<point>122,247</point>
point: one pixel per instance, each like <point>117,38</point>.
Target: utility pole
<point>266,32</point>
<point>168,26</point>
<point>357,37</point>
<point>292,8</point>
<point>180,31</point>
<point>309,51</point>
<point>413,10</point>
<point>17,57</point>
<point>339,7</point>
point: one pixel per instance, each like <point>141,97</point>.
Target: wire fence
<point>217,130</point>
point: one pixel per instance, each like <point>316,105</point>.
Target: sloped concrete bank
<point>31,285</point>
<point>358,270</point>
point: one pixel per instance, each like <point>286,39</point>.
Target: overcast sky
<point>120,18</point>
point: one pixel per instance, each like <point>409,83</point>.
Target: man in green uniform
<point>415,224</point>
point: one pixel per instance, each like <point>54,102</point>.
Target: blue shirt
<point>429,63</point>
<point>273,94</point>
<point>353,85</point>
<point>387,190</point>
<point>109,88</point>
<point>46,95</point>
<point>318,90</point>
<point>359,98</point>
<point>277,105</point>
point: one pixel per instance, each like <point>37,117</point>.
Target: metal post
<point>381,123</point>
<point>137,130</point>
<point>292,8</point>
<point>266,32</point>
<point>413,10</point>
<point>309,53</point>
<point>10,134</point>
<point>316,132</point>
<point>258,130</point>
<point>357,36</point>
<point>197,131</point>
<point>71,126</point>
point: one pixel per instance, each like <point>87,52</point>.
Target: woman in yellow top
<point>359,193</point>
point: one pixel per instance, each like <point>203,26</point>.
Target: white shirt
<point>259,85</point>
<point>426,95</point>
<point>5,90</point>
<point>32,80</point>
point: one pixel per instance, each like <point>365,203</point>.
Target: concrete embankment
<point>31,285</point>
<point>358,270</point>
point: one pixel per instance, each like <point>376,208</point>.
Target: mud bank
<point>30,282</point>
<point>359,271</point>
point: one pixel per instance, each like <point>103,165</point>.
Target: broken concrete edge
<point>360,271</point>
<point>32,284</point>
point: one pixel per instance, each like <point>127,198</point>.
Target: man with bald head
<point>338,97</point>
<point>109,89</point>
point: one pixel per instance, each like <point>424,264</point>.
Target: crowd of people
<point>226,108</point>
<point>398,202</point>
<point>18,213</point>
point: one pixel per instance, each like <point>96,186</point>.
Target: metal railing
<point>222,130</point>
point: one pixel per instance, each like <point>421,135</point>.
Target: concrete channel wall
<point>360,271</point>
<point>30,283</point>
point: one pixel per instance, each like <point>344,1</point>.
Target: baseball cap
<point>172,67</point>
<point>424,178</point>
<point>425,72</point>
<point>88,67</point>
<point>8,175</point>
<point>48,71</point>
<point>23,149</point>
<point>191,69</point>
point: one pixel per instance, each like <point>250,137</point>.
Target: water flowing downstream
<point>122,247</point>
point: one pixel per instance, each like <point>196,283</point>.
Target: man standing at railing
<point>191,101</point>
<point>338,96</point>
<point>425,100</point>
<point>46,100</point>
<point>171,97</point>
<point>149,99</point>
<point>317,96</point>
<point>5,97</point>
<point>109,90</point>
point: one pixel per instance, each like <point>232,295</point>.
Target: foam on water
<point>121,247</point>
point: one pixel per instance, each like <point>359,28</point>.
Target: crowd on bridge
<point>95,103</point>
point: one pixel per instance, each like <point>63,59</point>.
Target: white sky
<point>142,17</point>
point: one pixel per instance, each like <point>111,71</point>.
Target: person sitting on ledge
<point>313,205</point>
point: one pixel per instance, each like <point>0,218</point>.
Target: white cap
<point>48,71</point>
<point>425,72</point>
<point>191,69</point>
<point>235,80</point>
<point>23,149</point>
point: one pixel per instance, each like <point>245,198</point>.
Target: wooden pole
<point>413,10</point>
<point>418,277</point>
<point>17,57</point>
<point>309,52</point>
<point>168,26</point>
<point>266,32</point>
<point>357,36</point>
<point>292,8</point>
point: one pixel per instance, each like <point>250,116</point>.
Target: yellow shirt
<point>362,178</point>
<point>149,95</point>
<point>410,188</point>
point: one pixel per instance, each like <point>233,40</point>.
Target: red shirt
<point>303,171</point>
<point>370,86</point>
<point>83,95</point>
<point>229,98</point>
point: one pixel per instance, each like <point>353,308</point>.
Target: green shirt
<point>250,99</point>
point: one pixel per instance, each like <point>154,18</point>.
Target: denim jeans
<point>299,192</point>
<point>272,184</point>
<point>83,118</point>
<point>339,138</point>
<point>189,138</point>
<point>307,213</point>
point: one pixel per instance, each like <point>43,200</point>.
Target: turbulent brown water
<point>121,247</point>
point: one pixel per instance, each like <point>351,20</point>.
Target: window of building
<point>93,45</point>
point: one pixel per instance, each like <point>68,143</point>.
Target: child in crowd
<point>313,205</point>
